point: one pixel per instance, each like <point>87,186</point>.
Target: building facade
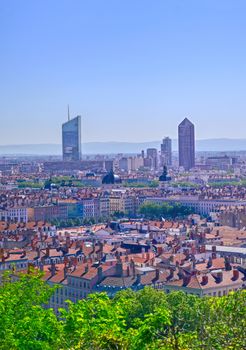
<point>166,151</point>
<point>186,136</point>
<point>71,139</point>
<point>152,157</point>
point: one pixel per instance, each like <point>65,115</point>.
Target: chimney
<point>128,271</point>
<point>202,249</point>
<point>93,248</point>
<point>235,274</point>
<point>205,279</point>
<point>2,254</point>
<point>119,268</point>
<point>53,240</point>
<point>86,269</point>
<point>171,258</point>
<point>220,276</point>
<point>180,273</point>
<point>100,246</point>
<point>47,252</point>
<point>99,274</point>
<point>214,255</point>
<point>171,275</point>
<point>210,262</point>
<point>75,261</point>
<point>38,253</point>
<point>186,253</point>
<point>132,264</point>
<point>53,269</point>
<point>227,264</point>
<point>186,279</point>
<point>23,254</point>
<point>65,270</point>
<point>138,279</point>
<point>157,274</point>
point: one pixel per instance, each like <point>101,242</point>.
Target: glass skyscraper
<point>166,151</point>
<point>71,139</point>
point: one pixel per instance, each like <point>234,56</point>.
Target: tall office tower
<point>152,155</point>
<point>186,131</point>
<point>71,139</point>
<point>166,151</point>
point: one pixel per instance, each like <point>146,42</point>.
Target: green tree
<point>24,323</point>
<point>94,324</point>
<point>147,319</point>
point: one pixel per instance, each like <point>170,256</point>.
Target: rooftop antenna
<point>68,113</point>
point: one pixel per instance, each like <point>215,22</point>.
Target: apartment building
<point>15,214</point>
<point>216,283</point>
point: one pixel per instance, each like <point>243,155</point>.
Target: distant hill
<point>122,147</point>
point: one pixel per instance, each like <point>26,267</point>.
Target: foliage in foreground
<point>147,319</point>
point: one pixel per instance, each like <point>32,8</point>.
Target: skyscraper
<point>186,131</point>
<point>166,151</point>
<point>152,156</point>
<point>71,139</point>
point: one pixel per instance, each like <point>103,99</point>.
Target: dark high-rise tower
<point>186,132</point>
<point>71,139</point>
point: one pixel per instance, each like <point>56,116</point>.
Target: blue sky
<point>132,68</point>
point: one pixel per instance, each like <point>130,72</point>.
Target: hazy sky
<point>133,68</point>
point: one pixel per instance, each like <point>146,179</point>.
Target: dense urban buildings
<point>71,139</point>
<point>186,140</point>
<point>112,222</point>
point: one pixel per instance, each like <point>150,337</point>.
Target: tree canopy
<point>147,319</point>
<point>156,211</point>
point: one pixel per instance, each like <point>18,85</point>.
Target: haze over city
<point>132,69</point>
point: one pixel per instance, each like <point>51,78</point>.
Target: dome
<point>164,176</point>
<point>111,178</point>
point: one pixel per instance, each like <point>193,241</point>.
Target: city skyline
<point>123,174</point>
<point>133,67</point>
